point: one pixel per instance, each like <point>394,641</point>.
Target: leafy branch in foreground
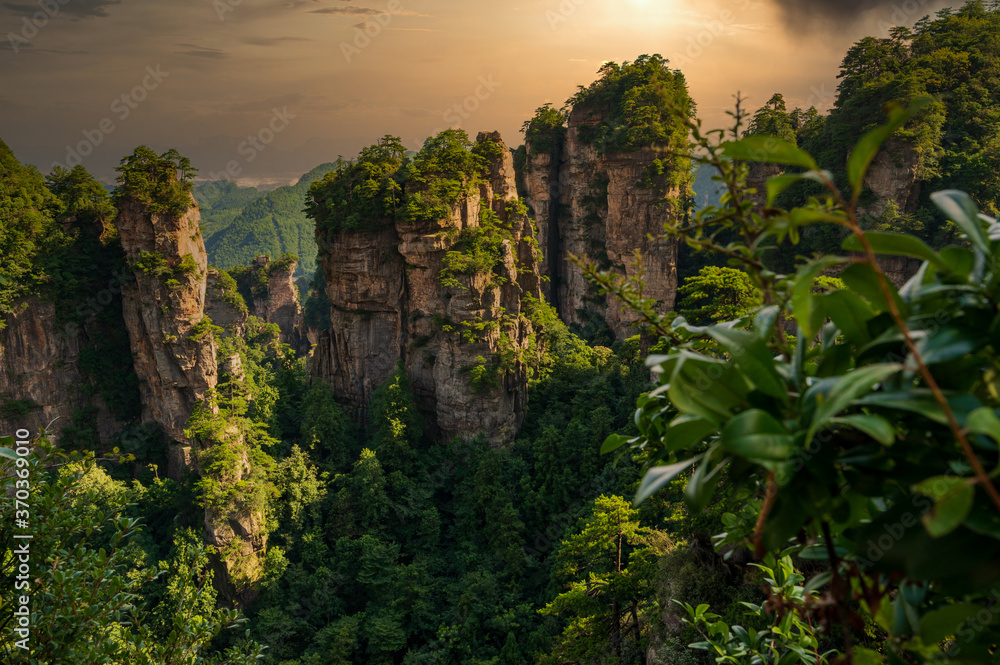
<point>867,434</point>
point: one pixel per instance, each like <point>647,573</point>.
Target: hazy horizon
<point>314,79</point>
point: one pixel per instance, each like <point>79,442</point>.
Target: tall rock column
<point>462,334</point>
<point>604,206</point>
<point>175,359</point>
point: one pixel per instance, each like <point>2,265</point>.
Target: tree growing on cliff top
<point>162,182</point>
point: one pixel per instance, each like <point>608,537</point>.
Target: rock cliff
<point>462,336</point>
<point>604,206</point>
<point>274,298</point>
<point>175,354</point>
<point>41,384</point>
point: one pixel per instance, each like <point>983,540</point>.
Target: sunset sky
<point>205,75</point>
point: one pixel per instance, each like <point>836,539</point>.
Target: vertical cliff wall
<point>175,356</point>
<point>41,384</point>
<point>603,205</point>
<point>409,291</point>
<point>269,287</point>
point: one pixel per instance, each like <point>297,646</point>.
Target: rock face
<point>587,203</point>
<point>279,303</point>
<point>894,176</point>
<point>389,306</point>
<point>176,362</point>
<point>222,305</point>
<point>176,366</point>
<point>40,380</point>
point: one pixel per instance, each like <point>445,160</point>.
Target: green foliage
<point>270,223</point>
<point>717,294</point>
<point>160,182</point>
<point>546,131</point>
<point>633,103</point>
<point>609,568</point>
<point>445,170</point>
<point>789,640</point>
<point>773,119</point>
<point>86,589</point>
<point>477,250</point>
<point>28,230</point>
<point>362,194</point>
<point>864,437</point>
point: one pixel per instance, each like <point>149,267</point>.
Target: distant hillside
<point>707,192</point>
<point>242,222</point>
<point>220,202</point>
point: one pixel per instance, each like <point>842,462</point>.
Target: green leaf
<point>984,421</point>
<point>685,431</point>
<point>752,355</point>
<point>849,313</point>
<point>706,387</point>
<point>613,443</point>
<point>699,489</point>
<point>862,280</point>
<point>756,435</point>
<point>950,343</point>
<point>8,453</point>
<point>769,150</point>
<point>944,622</point>
<point>961,209</point>
<point>896,244</point>
<point>876,427</point>
<point>779,183</point>
<point>866,149</point>
<point>657,477</point>
<point>851,386</point>
<point>803,299</point>
<point>864,656</point>
<point>953,498</point>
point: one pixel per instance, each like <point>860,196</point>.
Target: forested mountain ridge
<point>242,223</point>
<point>428,485</point>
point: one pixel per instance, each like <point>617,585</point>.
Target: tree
<point>85,601</point>
<point>773,119</point>
<point>607,573</point>
<point>867,433</point>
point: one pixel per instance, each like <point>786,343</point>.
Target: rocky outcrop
<point>605,207</point>
<point>278,302</point>
<point>894,176</point>
<point>41,384</point>
<point>175,358</point>
<point>462,343</point>
<point>175,364</point>
<point>224,305</point>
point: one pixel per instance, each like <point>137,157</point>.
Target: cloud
<point>203,52</point>
<point>272,41</point>
<point>840,13</point>
<point>78,8</point>
<point>347,11</point>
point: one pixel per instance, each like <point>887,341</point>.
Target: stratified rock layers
<point>590,204</point>
<point>389,306</point>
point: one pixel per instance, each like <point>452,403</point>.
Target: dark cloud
<point>348,11</point>
<point>841,13</point>
<point>203,52</point>
<point>272,41</point>
<point>78,8</point>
